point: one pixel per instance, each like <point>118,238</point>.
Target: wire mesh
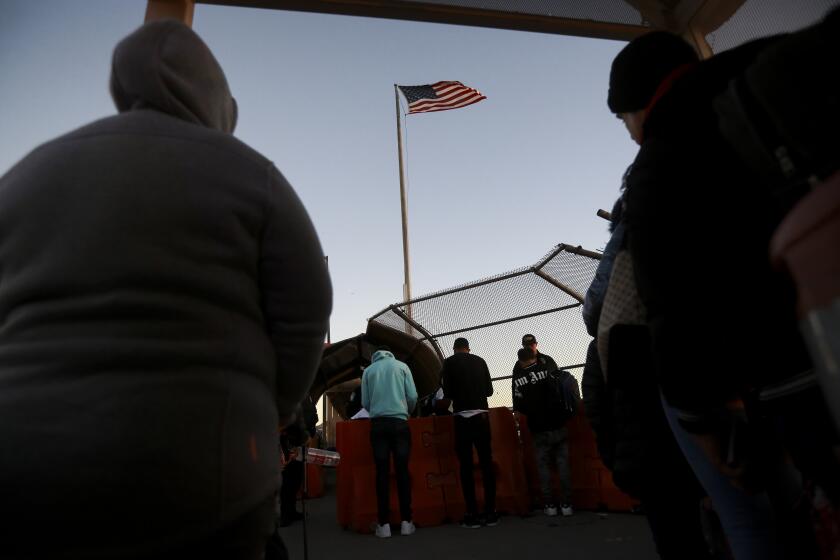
<point>607,11</point>
<point>760,18</point>
<point>494,313</point>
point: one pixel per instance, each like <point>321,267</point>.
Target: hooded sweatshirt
<point>163,302</point>
<point>388,387</point>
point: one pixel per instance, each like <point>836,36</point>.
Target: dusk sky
<point>492,187</point>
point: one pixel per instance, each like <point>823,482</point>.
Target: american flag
<point>440,96</point>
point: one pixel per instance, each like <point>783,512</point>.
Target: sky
<point>491,187</point>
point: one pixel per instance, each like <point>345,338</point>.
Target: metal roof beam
<point>451,14</point>
<point>179,9</point>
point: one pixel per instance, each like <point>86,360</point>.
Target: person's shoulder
<point>477,360</point>
<point>402,365</point>
<point>157,126</point>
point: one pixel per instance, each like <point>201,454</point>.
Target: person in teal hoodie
<point>389,395</point>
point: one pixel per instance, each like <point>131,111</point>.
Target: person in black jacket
<point>465,379</point>
<point>163,305</point>
<point>688,192</point>
<point>533,397</point>
<point>634,439</point>
<point>292,441</point>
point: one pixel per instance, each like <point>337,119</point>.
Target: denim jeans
<point>475,430</point>
<point>391,436</point>
<point>553,449</point>
<point>747,520</point>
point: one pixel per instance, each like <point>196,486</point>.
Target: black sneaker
<point>491,519</point>
<point>470,521</point>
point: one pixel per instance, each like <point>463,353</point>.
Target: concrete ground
<point>585,535</point>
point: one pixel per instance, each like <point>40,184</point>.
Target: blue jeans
<point>747,519</point>
<point>553,449</point>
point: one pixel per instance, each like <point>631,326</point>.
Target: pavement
<point>583,536</point>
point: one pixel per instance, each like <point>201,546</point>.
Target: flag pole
<point>406,270</point>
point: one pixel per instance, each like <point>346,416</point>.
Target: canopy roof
<point>609,19</point>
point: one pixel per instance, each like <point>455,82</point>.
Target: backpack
<point>563,393</point>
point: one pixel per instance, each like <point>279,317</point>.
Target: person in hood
<point>389,395</point>
<point>163,304</point>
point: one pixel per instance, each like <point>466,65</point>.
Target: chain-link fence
<point>494,313</point>
<point>760,18</point>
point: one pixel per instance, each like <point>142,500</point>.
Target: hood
<point>165,66</point>
<point>381,355</point>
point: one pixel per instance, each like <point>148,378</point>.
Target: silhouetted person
<point>686,192</point>
<point>293,438</point>
<point>466,381</point>
<point>163,305</point>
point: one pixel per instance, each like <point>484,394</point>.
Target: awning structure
<point>606,19</point>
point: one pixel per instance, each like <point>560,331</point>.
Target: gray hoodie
<point>163,297</point>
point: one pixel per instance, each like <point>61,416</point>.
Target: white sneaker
<point>407,528</point>
<point>550,511</point>
<point>383,531</point>
<point>566,510</point>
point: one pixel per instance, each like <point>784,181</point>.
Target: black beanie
<point>641,66</point>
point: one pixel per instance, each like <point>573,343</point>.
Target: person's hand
<point>729,444</point>
<point>287,420</point>
<point>715,450</point>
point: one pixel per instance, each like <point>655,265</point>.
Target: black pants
<point>292,481</point>
<point>673,513</point>
<point>391,436</point>
<point>244,539</point>
<point>475,430</point>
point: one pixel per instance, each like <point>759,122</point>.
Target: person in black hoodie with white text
<point>163,305</point>
<point>533,397</point>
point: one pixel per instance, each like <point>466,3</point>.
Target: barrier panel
<point>511,482</point>
<point>427,497</point>
<point>314,481</point>
<point>353,443</point>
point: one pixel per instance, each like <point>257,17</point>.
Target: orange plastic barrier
<point>585,464</point>
<point>511,481</point>
<point>353,443</point>
<point>314,481</point>
<point>434,470</point>
<point>427,498</point>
